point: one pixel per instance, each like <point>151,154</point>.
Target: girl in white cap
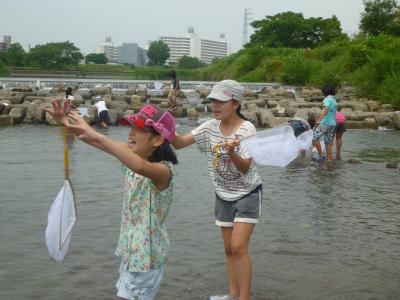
<point>238,186</point>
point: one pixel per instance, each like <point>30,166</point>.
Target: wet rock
<point>396,119</point>
<point>18,114</point>
<point>6,106</point>
<point>392,165</point>
<point>192,114</point>
<point>385,119</point>
<point>301,113</point>
<point>368,123</point>
<point>387,108</point>
<point>354,161</point>
<point>272,103</point>
<point>130,91</point>
<point>6,120</point>
<point>266,118</point>
<point>373,105</point>
<point>278,121</point>
<point>203,91</point>
<point>253,117</point>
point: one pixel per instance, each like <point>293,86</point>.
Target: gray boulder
<point>18,113</point>
<point>396,119</point>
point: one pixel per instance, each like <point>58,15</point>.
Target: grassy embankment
<point>371,64</point>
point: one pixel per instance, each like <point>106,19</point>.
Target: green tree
<point>380,16</point>
<point>4,71</point>
<point>291,30</point>
<point>16,55</point>
<point>158,53</point>
<point>96,58</point>
<point>54,55</point>
<point>188,62</point>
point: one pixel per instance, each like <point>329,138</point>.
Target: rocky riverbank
<point>267,107</point>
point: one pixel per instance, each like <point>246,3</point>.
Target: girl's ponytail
<point>240,114</point>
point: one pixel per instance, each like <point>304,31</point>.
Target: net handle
<point>66,156</point>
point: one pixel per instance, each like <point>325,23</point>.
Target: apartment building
<point>192,45</point>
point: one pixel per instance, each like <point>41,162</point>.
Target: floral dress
<point>143,242</point>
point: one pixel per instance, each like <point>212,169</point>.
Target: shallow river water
<point>323,234</point>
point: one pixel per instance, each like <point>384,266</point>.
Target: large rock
<point>136,100</point>
<point>114,116</point>
<point>6,120</point>
<point>130,91</point>
<point>291,111</point>
<point>266,118</point>
<point>384,119</point>
<point>252,117</point>
<point>203,91</point>
<point>278,121</point>
<point>5,106</point>
<point>18,113</point>
<point>14,99</point>
<point>387,108</point>
<point>301,113</point>
<point>373,105</point>
<point>368,123</point>
<point>396,119</point>
<point>252,107</point>
<point>100,90</point>
<point>192,114</point>
<point>250,93</point>
<point>272,103</point>
<point>354,105</point>
<point>142,90</point>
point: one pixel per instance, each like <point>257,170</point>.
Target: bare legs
<point>338,145</point>
<point>236,242</point>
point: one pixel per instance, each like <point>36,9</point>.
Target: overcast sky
<point>87,22</point>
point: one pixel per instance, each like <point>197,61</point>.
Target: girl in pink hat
<point>148,159</point>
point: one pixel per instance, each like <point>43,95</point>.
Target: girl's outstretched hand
<point>60,111</point>
<point>82,129</point>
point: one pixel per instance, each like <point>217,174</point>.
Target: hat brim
<point>125,121</point>
<point>219,96</point>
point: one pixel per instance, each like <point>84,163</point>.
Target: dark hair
<point>173,74</point>
<point>328,89</point>
<point>164,152</point>
<point>312,122</point>
<point>68,91</point>
<point>240,114</point>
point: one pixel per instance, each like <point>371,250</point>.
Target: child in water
<point>326,123</point>
<point>147,158</point>
<point>238,186</point>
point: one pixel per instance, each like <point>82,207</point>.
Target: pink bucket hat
<point>151,116</point>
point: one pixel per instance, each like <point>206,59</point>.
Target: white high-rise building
<point>108,49</point>
<point>192,45</point>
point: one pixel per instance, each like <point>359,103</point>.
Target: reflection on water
<point>325,232</point>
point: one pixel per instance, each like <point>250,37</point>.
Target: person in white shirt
<point>238,187</point>
<point>102,112</point>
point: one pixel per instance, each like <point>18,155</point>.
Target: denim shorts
<point>327,131</point>
<point>138,285</point>
<point>245,210</point>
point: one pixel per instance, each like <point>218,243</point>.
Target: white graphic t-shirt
<point>229,182</point>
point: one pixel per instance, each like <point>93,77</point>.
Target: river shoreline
<point>266,105</point>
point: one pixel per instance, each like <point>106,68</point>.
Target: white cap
<point>226,90</point>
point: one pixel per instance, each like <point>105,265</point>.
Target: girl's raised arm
<point>158,172</point>
<point>182,141</point>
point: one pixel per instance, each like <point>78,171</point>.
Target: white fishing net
<point>61,219</point>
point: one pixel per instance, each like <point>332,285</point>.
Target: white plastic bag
<point>61,218</point>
